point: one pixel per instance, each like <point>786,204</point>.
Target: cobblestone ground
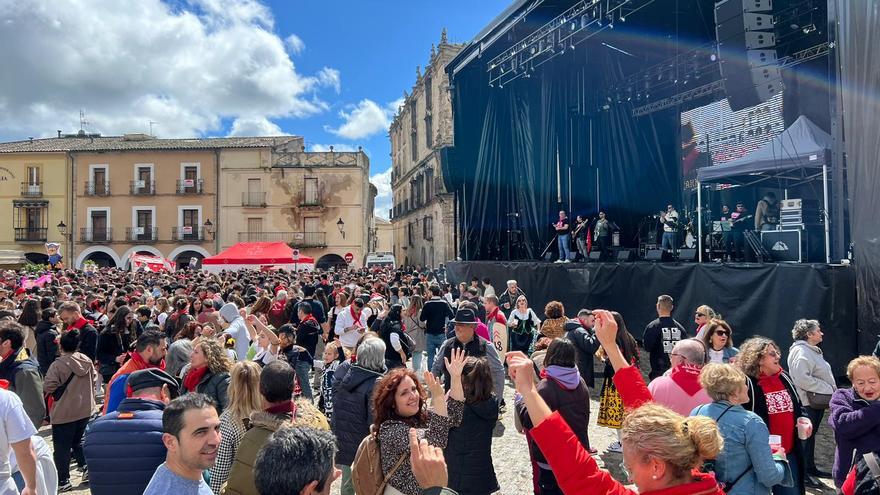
<point>511,459</point>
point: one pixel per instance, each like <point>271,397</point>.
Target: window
<point>33,185</point>
<point>254,229</point>
<point>29,220</point>
<point>189,223</point>
<point>143,224</point>
<point>310,192</point>
<point>429,181</point>
<point>99,181</point>
<point>190,179</point>
<point>414,131</point>
<point>254,195</point>
<point>98,219</point>
<point>428,228</point>
<point>311,224</point>
<point>143,179</point>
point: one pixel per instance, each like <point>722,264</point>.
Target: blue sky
<point>330,71</point>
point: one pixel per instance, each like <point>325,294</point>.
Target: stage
<point>756,299</point>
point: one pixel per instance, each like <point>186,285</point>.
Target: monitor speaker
<point>626,255</point>
<point>686,254</point>
<point>595,255</point>
<point>656,255</point>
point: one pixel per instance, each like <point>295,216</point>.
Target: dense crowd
<point>393,380</point>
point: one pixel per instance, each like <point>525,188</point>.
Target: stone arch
<point>139,249</point>
<point>37,258</point>
<point>331,261</point>
<point>88,252</point>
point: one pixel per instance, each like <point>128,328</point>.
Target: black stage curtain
<point>755,299</point>
<point>860,81</point>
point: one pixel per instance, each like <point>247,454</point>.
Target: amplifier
<point>790,204</point>
<point>783,245</point>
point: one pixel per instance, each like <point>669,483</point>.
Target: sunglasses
<point>722,332</point>
<point>699,315</point>
<point>773,354</point>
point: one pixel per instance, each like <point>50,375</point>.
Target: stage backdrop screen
<point>714,134</point>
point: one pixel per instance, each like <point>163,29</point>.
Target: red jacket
<point>577,472</point>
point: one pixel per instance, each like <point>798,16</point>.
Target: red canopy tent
<point>257,256</point>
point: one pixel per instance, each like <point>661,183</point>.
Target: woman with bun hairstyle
<point>662,450</point>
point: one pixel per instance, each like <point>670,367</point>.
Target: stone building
<point>422,216</point>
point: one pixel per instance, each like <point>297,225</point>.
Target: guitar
<point>579,227</point>
<point>740,219</point>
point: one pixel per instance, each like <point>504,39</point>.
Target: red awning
<point>256,253</point>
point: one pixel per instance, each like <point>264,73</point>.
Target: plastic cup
<point>775,442</point>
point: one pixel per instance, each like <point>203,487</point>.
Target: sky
<point>332,71</point>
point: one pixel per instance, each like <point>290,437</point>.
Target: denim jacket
<point>746,447</point>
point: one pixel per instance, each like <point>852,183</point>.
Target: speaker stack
<point>747,51</point>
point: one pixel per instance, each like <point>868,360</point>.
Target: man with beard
<point>70,314</point>
<point>191,433</point>
<point>149,353</point>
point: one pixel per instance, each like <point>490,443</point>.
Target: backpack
<point>867,475</point>
<point>407,343</point>
<point>366,470</point>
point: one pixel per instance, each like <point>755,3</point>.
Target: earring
<point>654,477</point>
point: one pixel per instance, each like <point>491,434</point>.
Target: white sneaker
<point>558,261</point>
<point>567,261</point>
<point>615,447</point>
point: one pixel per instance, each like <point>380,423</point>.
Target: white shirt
<point>344,320</point>
<point>15,426</point>
<point>47,476</point>
<point>671,216</point>
<point>716,356</point>
<point>490,291</point>
<point>238,331</point>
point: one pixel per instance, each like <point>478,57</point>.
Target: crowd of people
<point>273,382</point>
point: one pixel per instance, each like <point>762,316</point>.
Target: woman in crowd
<point>523,324</point>
<point>208,372</point>
<point>563,390</point>
<point>610,403</point>
<point>244,400</point>
<point>469,448</point>
<point>352,404</point>
<point>745,465</point>
<point>773,397</point>
<point>69,385</point>
<point>30,315</point>
<point>341,305</point>
<point>195,307</point>
<point>663,450</point>
<point>261,306</point>
<point>553,326</point>
<point>391,332</point>
<point>400,403</point>
<point>204,315</point>
<point>701,317</point>
<point>267,342</point>
<point>47,339</point>
<point>415,329</point>
<point>277,315</point>
<point>814,381</point>
<point>718,339</point>
<point>179,351</point>
<point>855,415</point>
<point>321,297</point>
<point>114,341</point>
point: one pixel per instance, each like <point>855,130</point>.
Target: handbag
<point>818,401</point>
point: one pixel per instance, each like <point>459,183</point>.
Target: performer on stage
<point>737,237</point>
<point>669,219</point>
<point>563,230</point>
<point>602,236</point>
<point>767,213</point>
<point>580,235</point>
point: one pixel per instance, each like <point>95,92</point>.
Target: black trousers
<point>604,246</point>
<point>67,437</point>
<point>815,416</point>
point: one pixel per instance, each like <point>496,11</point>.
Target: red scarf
<point>308,319</point>
<point>286,407</point>
<point>81,322</point>
<point>192,379</point>
<point>357,317</point>
<point>142,365</point>
<point>687,376</point>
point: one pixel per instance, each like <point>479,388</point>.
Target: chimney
<point>59,132</point>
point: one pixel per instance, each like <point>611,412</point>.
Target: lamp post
<point>209,228</point>
<point>62,228</point>
<point>341,226</point>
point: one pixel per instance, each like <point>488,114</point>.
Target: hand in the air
<point>456,364</point>
<point>521,370</point>
<point>434,385</point>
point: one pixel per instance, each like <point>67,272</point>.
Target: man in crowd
<point>508,298</point>
<point>16,430</point>
<point>149,353</point>
<point>135,426</point>
<point>191,433</point>
<point>493,313</point>
<point>681,390</point>
<point>580,333</point>
<point>297,460</point>
<point>466,338</point>
<point>237,329</point>
<point>21,371</point>
<point>70,314</point>
<point>434,314</point>
<point>661,335</point>
<point>351,323</point>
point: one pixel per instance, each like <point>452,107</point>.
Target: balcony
<point>142,234</point>
<point>96,235</point>
<point>438,187</point>
<point>189,186</point>
<point>31,189</point>
<point>186,233</point>
<point>312,197</point>
<point>30,234</point>
<point>143,187</point>
<point>295,239</point>
<point>253,199</point>
<point>93,188</point>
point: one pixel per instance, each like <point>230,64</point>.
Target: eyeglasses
<point>699,315</point>
<point>773,354</point>
<point>725,333</point>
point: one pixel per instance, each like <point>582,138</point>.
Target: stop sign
<point>296,254</point>
<point>349,257</point>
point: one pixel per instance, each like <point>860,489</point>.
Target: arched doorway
<point>37,258</point>
<point>102,259</point>
<point>329,261</point>
<point>182,261</point>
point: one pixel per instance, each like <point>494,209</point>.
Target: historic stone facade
<point>423,214</point>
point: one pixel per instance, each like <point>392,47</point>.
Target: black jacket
<point>434,314</point>
<point>392,357</point>
<point>307,334</point>
<point>88,341</point>
<point>468,451</point>
<point>215,386</point>
<point>47,348</point>
<point>585,344</point>
<point>352,409</point>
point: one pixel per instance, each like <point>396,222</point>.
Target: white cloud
<point>336,147</point>
<point>365,119</point>
<point>382,181</point>
<point>187,68</point>
<point>254,126</point>
<point>295,44</point>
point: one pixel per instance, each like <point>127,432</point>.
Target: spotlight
<point>622,19</point>
<point>713,57</point>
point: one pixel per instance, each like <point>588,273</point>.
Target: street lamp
<point>341,226</point>
<point>62,227</point>
<point>209,228</point>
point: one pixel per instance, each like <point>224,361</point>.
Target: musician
<point>725,213</point>
<point>767,213</point>
<point>563,233</point>
<point>580,235</point>
<point>669,219</point>
<point>602,235</point>
<point>735,244</point>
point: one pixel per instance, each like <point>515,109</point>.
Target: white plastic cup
<point>804,427</point>
<point>775,442</point>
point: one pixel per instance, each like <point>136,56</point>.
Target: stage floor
<point>755,298</point>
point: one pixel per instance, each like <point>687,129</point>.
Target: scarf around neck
<point>192,379</point>
<point>565,377</point>
<point>687,376</point>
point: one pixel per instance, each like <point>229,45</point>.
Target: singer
<point>563,238</point>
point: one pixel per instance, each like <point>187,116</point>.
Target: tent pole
<point>699,222</point>
<point>825,215</point>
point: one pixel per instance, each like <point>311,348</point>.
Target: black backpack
<point>867,475</point>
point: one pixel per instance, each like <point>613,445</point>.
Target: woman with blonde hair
<point>718,339</point>
<point>244,400</point>
<point>855,415</point>
<point>415,328</point>
<point>208,372</point>
<point>701,317</point>
<point>662,450</point>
